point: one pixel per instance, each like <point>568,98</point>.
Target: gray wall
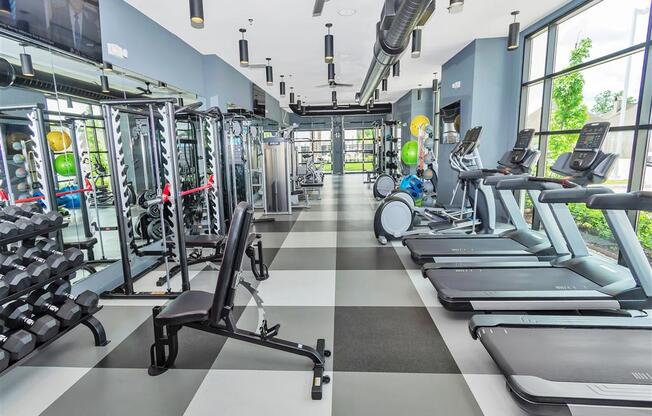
<point>18,96</point>
<point>224,85</point>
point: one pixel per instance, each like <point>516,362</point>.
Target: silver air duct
<point>397,21</point>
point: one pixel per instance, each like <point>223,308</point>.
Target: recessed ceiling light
<point>346,12</point>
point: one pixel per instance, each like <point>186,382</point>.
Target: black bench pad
<point>190,306</point>
<point>204,240</point>
<point>82,245</point>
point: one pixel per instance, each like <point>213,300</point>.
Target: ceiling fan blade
<point>142,89</point>
<point>256,66</point>
<point>318,8</point>
<point>324,86</point>
<point>339,84</point>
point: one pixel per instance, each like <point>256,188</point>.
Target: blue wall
<point>223,85</point>
<point>19,96</point>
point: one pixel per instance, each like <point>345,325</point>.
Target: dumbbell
<point>16,344</point>
<point>8,229</point>
<point>18,315</point>
<point>38,272</point>
<point>43,302</point>
<point>16,280</point>
<point>57,263</point>
<point>74,255</point>
<point>4,289</point>
<point>86,300</point>
<point>31,213</point>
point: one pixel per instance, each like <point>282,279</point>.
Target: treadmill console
<point>469,143</point>
<point>587,148</point>
<point>523,142</point>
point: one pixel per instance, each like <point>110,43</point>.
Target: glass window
<point>598,94</point>
<point>534,101</point>
<point>610,25</point>
<point>538,47</point>
<point>645,218</point>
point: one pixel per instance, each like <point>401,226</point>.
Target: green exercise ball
<point>64,164</point>
<point>410,153</point>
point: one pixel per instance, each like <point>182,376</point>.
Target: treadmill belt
<point>581,355</point>
<point>423,247</point>
<point>509,279</point>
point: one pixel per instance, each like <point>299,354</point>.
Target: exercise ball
<point>70,201</point>
<point>18,158</point>
<point>429,159</point>
<point>21,172</point>
<point>416,123</point>
<point>22,186</point>
<point>457,123</point>
<point>64,164</point>
<point>428,187</point>
<point>17,146</point>
<point>410,153</point>
<point>59,140</point>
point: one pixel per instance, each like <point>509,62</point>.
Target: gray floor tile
<point>382,394</point>
<point>368,258</point>
<point>356,225</point>
<point>315,226</point>
<point>389,339</point>
<point>357,239</point>
<point>305,259</point>
<point>109,392</point>
<point>375,288</point>
<point>298,324</point>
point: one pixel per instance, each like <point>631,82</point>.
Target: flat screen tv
<point>72,26</point>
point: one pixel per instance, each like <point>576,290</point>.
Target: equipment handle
<point>88,188</point>
<point>165,196</point>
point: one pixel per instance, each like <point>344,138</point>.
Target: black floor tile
<point>355,225</point>
<point>273,226</point>
<point>389,339</point>
<point>315,226</point>
<point>368,258</point>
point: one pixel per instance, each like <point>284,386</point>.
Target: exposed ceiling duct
<point>393,32</point>
<point>341,110</point>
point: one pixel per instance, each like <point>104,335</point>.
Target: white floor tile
<point>317,216</point>
<point>492,395</point>
<point>298,288</point>
<point>311,239</point>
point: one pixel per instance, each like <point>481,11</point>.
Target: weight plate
<point>154,211</point>
<point>154,230</point>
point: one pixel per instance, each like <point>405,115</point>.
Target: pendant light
<point>371,103</point>
<point>383,84</point>
<point>514,31</point>
<point>455,6</point>
<point>197,13</point>
<point>26,66</point>
<point>396,69</point>
<point>357,97</point>
<point>334,98</point>
<point>243,45</point>
<point>329,45</point>
<point>416,42</point>
<point>368,107</point>
<point>69,102</point>
<point>107,66</point>
<point>269,72</point>
<point>5,7</point>
<point>419,93</point>
<point>377,94</point>
<point>104,82</point>
<point>282,86</point>
<point>299,104</point>
<point>331,73</point>
<point>291,95</point>
<point>435,83</point>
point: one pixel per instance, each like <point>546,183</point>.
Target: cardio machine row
<point>582,336</point>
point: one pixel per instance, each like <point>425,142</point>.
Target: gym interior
<point>326,207</point>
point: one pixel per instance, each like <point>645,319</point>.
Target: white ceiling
<point>285,31</point>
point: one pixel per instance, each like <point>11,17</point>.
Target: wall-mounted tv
<point>72,26</point>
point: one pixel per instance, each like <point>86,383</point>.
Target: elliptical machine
<point>399,216</point>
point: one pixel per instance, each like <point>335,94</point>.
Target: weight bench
<point>213,312</point>
<point>87,245</point>
<point>212,242</point>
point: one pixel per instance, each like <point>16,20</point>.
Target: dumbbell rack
<point>88,320</point>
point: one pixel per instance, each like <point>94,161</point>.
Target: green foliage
<point>570,112</point>
<point>645,232</point>
<point>606,101</point>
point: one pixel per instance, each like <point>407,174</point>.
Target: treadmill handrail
<point>494,179</point>
<point>523,183</point>
<point>572,195</point>
<point>638,201</point>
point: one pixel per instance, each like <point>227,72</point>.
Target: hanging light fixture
<point>26,66</point>
<point>69,102</point>
<point>383,85</point>
<point>455,6</point>
<point>269,72</point>
<point>419,93</point>
<point>435,83</point>
<point>369,106</point>
<point>377,94</point>
<point>291,95</point>
<point>282,86</point>
<point>331,73</point>
<point>299,102</point>
<point>514,31</point>
<point>396,69</point>
<point>371,103</point>
<point>243,45</point>
<point>180,101</point>
<point>329,45</point>
<point>357,97</point>
<point>416,42</point>
<point>104,82</point>
<point>107,66</point>
<point>5,7</point>
<point>197,13</point>
<point>334,98</point>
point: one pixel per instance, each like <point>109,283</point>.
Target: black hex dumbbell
<point>32,214</point>
<point>18,315</point>
<point>17,280</point>
<point>38,272</point>
<point>17,344</point>
<point>86,300</point>
<point>57,263</point>
<point>4,289</point>
<point>74,255</point>
<point>43,302</point>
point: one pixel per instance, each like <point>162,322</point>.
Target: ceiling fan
<point>318,8</point>
<point>334,84</point>
<point>146,90</point>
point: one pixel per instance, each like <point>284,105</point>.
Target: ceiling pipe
<point>393,33</point>
<point>341,110</point>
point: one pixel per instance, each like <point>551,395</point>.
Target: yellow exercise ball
<point>59,140</point>
<point>417,122</point>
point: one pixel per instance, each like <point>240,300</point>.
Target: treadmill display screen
<point>592,136</point>
<point>524,139</point>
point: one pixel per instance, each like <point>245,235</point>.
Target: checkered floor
<point>395,349</point>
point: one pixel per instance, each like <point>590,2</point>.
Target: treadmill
<point>520,243</point>
<point>581,282</point>
<point>588,365</point>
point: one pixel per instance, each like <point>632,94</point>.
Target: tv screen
<point>69,25</point>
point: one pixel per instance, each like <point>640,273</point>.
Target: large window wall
<point>590,65</point>
<point>318,144</point>
<point>358,150</point>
